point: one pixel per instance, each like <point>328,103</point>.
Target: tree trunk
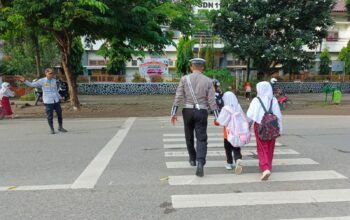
<point>73,91</point>
<point>64,40</point>
<point>248,69</point>
<point>35,41</point>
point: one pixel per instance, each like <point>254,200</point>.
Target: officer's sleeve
<point>37,84</point>
<point>212,101</point>
<point>179,96</point>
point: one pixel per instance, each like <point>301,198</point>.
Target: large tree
<point>273,32</point>
<point>138,25</point>
<point>344,56</point>
<point>325,62</point>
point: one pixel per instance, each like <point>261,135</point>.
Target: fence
<point>101,78</point>
<point>315,78</point>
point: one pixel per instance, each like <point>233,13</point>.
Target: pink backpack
<point>238,133</point>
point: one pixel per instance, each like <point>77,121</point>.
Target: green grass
<point>28,97</point>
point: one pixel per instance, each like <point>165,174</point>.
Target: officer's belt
<point>194,106</point>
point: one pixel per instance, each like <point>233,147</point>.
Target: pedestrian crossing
<point>245,152</point>
<point>176,159</point>
<point>247,163</point>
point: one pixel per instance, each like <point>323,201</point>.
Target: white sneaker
<point>239,166</point>
<point>265,175</point>
<point>229,166</point>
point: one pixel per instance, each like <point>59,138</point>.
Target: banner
<point>155,67</point>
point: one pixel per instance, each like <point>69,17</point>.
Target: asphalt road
<point>135,168</point>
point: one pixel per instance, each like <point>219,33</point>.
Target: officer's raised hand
<point>21,78</point>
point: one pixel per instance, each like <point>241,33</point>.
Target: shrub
<point>223,75</point>
<point>121,79</point>
<point>138,78</point>
<point>156,79</point>
<point>175,80</point>
<point>28,97</point>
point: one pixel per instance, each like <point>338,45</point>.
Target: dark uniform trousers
<point>196,120</point>
<point>49,112</point>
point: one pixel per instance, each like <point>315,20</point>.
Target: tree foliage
<point>273,32</point>
<point>325,61</point>
<point>28,53</point>
<point>344,56</point>
<point>75,61</point>
<point>184,55</point>
<point>223,75</point>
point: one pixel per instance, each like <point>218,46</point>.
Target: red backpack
<point>268,129</point>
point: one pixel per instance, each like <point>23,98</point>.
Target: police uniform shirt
<point>49,88</point>
<point>203,89</point>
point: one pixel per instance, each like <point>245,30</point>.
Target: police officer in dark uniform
<point>197,92</point>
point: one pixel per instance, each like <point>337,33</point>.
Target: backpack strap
<point>270,110</point>
<point>262,105</point>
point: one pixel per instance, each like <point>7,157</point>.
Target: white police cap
<point>199,61</point>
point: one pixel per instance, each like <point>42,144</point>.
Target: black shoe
<point>200,170</point>
<point>192,163</point>
<point>52,131</point>
<point>61,129</point>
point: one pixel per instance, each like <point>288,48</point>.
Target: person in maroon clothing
<point>5,94</point>
<point>255,113</point>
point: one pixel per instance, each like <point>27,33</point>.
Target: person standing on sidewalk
<point>256,112</point>
<point>196,91</point>
<point>248,90</point>
<point>51,98</point>
<point>5,94</point>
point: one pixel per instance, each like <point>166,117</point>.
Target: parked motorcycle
<point>63,89</point>
<point>283,99</point>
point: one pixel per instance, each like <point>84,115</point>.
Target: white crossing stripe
<point>183,139</point>
<point>182,126</point>
<point>245,152</point>
<point>214,164</point>
<point>89,177</point>
<point>209,139</point>
<point>34,188</point>
<point>210,145</point>
<point>260,198</point>
<point>183,135</point>
<point>254,177</point>
<point>323,218</point>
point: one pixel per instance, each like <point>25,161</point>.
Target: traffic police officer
<point>51,98</point>
<point>196,91</point>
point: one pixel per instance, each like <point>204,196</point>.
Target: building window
<point>134,63</point>
<point>230,63</point>
<point>97,62</point>
<point>93,62</point>
<point>332,36</point>
<point>172,63</point>
<point>101,62</point>
<point>238,62</point>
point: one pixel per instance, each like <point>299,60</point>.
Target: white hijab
<point>230,100</point>
<point>231,103</point>
<point>256,111</point>
<point>5,90</point>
